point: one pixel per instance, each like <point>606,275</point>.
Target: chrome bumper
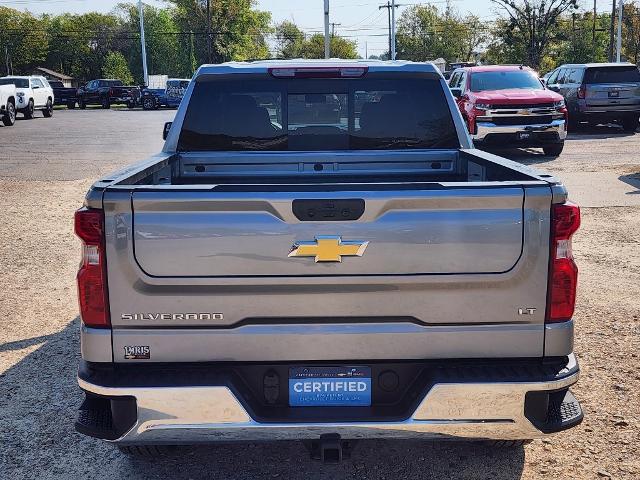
<point>488,128</point>
<point>185,415</point>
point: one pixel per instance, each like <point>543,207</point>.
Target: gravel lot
<point>46,166</point>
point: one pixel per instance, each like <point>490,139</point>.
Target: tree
<point>532,25</point>
<point>289,40</point>
<point>631,32</point>
<point>161,41</point>
<point>574,41</point>
<point>238,32</point>
<point>25,40</point>
<point>115,66</point>
<point>292,43</point>
<point>340,47</point>
<point>426,33</point>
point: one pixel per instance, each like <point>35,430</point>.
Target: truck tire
<point>553,150</point>
<point>148,103</point>
<point>147,451</point>
<point>9,117</point>
<point>28,112</point>
<point>47,111</point>
<point>106,104</point>
<point>71,105</point>
<point>630,124</point>
<point>573,124</point>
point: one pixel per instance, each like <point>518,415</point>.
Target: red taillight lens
<point>563,276</point>
<point>92,280</point>
<point>582,92</point>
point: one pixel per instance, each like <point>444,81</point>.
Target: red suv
<point>508,106</point>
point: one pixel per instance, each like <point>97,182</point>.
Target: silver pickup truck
<point>319,253</point>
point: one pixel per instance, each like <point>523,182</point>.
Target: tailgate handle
<point>324,210</point>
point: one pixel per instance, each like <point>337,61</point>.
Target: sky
<point>359,20</point>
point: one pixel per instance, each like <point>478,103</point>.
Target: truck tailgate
<point>210,234</point>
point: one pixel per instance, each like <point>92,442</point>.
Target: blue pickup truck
<point>170,96</point>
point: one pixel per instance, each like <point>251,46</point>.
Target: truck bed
<point>210,233</point>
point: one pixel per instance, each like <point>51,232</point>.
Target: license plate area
<point>524,135</point>
<point>330,386</point>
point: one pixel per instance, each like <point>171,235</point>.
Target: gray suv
<point>599,92</point>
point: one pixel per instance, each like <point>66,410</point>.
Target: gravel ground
<point>46,167</point>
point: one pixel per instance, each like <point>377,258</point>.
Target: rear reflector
<point>319,72</point>
<point>91,278</point>
<point>563,275</point>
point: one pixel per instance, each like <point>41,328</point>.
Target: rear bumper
<point>481,400</point>
<point>540,134</point>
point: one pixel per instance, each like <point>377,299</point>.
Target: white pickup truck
<point>8,104</point>
<point>319,253</point>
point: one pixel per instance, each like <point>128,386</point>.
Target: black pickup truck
<point>64,95</point>
<point>107,92</point>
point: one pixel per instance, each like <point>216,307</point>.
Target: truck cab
<point>170,96</point>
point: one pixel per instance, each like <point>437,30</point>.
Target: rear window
<point>481,81</point>
<point>176,88</point>
<point>18,82</point>
<point>627,74</point>
<point>317,114</point>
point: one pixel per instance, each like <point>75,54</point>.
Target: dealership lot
<point>47,165</point>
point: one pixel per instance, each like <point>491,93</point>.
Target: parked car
<point>451,67</point>
<point>64,95</point>
<point>107,92</point>
<point>274,281</point>
<point>599,92</point>
<point>8,97</point>
<point>508,106</point>
<point>170,96</point>
<point>34,93</point>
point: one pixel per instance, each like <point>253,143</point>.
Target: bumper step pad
<point>553,412</point>
<point>106,418</point>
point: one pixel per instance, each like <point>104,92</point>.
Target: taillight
<point>563,275</point>
<point>91,278</point>
<point>582,92</point>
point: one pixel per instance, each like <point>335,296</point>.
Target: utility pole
<point>209,31</point>
<point>611,29</point>
<point>593,39</point>
<point>391,16</point>
<point>327,40</point>
<point>333,28</point>
<point>619,51</point>
<point>573,35</point>
<point>143,44</point>
<point>393,29</point>
<point>366,51</point>
<point>388,7</point>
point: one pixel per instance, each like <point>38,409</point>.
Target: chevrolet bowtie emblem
<point>328,249</point>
